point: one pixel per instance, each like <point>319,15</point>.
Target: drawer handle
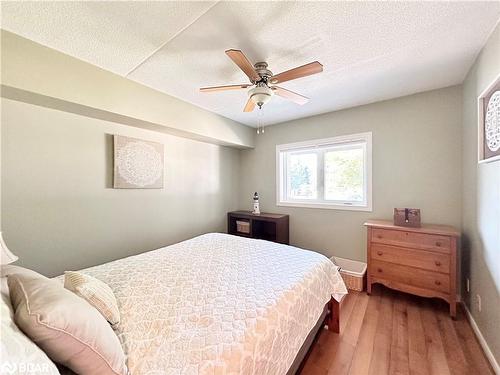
<point>379,253</point>
<point>438,263</point>
<point>437,282</point>
<point>379,236</point>
<point>379,269</point>
<point>438,244</point>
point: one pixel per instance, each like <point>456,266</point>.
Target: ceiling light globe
<point>260,95</point>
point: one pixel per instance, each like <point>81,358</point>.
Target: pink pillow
<point>65,326</point>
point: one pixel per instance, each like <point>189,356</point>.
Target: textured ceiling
<point>371,51</point>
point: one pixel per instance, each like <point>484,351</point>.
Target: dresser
<point>420,261</point>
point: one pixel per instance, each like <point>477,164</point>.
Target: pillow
<point>10,269</point>
<point>95,292</point>
<point>18,353</point>
<point>65,326</point>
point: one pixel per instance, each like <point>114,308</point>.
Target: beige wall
<point>481,204</point>
<point>59,211</point>
<point>416,163</point>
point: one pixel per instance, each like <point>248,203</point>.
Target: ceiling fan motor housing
<point>262,71</point>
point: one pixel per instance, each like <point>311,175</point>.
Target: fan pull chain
<point>260,126</point>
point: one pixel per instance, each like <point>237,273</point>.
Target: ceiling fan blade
<point>290,95</point>
<point>299,72</point>
<point>249,107</point>
<point>241,60</point>
<point>224,88</point>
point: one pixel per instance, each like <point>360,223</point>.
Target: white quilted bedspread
<point>218,304</point>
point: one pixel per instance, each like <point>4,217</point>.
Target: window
<point>326,173</point>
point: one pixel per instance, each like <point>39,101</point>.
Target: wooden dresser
<point>421,261</point>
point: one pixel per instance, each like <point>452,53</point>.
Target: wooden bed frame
<point>332,319</point>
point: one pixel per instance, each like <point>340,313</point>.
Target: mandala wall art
<point>138,164</point>
<point>489,123</point>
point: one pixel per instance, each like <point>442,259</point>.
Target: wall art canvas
<point>489,123</point>
<point>138,164</point>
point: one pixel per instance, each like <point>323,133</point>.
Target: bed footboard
<point>333,317</point>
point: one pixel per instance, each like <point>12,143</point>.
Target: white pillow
<point>95,292</point>
<point>18,354</point>
<point>65,326</point>
<point>10,269</point>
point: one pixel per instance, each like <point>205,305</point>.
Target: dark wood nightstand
<point>270,227</point>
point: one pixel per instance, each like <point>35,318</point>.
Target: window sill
<point>325,206</point>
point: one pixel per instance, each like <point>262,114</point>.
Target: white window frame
<point>364,138</point>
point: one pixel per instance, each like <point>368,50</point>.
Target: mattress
<point>218,304</point>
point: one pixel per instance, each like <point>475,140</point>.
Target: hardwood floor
<point>395,333</point>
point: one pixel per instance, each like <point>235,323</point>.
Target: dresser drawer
<point>428,260</point>
<point>410,276</point>
<point>411,239</point>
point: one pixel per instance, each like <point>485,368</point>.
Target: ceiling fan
<point>264,81</point>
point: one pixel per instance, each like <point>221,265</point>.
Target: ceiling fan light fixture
<point>260,95</point>
<point>260,76</point>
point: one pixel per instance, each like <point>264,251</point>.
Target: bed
<point>221,304</point>
<point>215,304</point>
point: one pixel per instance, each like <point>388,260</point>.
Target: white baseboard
<point>482,341</point>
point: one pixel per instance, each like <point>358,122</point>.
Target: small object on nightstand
<point>243,226</point>
<point>256,207</point>
<point>407,217</point>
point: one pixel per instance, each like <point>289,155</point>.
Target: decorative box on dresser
<point>420,261</point>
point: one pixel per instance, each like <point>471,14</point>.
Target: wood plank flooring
<point>395,333</point>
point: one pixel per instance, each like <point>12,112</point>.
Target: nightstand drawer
<point>428,260</point>
<point>410,276</point>
<point>411,239</point>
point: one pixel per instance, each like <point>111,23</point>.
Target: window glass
<point>302,176</point>
<point>344,171</point>
<point>326,173</point>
